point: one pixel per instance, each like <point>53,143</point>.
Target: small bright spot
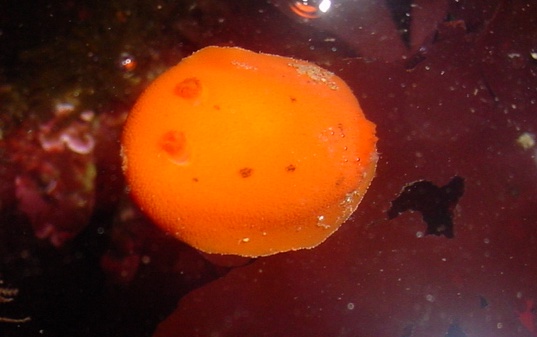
<point>63,108</point>
<point>350,306</point>
<point>324,6</point>
<point>513,55</point>
<point>429,298</point>
<point>526,140</point>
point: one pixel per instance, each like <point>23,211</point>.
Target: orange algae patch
<point>236,152</point>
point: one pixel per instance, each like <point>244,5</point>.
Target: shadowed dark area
<point>435,204</point>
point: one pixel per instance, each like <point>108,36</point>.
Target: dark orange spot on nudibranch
<point>174,145</point>
<point>245,172</point>
<point>290,168</point>
<point>309,150</point>
<point>188,88</point>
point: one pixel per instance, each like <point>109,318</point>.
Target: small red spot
<point>189,88</point>
<point>245,172</point>
<point>174,144</point>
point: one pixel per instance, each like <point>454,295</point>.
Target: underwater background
<point>443,244</point>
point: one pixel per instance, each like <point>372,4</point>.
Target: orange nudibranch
<point>237,152</point>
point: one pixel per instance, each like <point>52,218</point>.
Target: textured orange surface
<point>236,152</point>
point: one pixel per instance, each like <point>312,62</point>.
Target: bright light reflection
<point>324,6</point>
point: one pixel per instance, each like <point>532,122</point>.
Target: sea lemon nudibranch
<point>236,152</point>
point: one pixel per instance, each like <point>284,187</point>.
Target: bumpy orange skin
<point>236,152</point>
